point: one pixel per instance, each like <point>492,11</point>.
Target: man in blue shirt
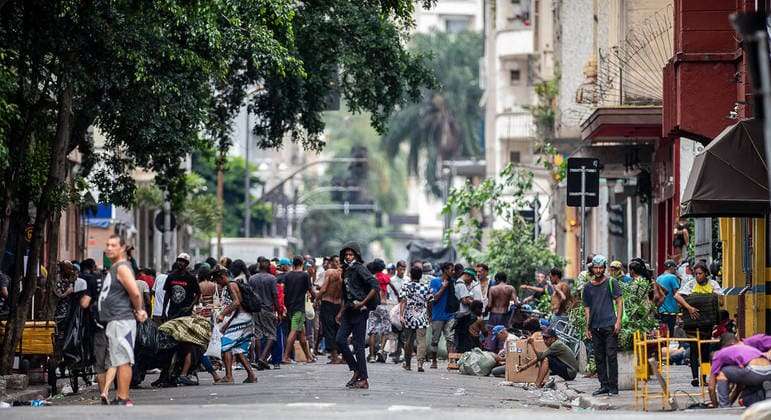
<point>667,285</point>
<point>442,321</point>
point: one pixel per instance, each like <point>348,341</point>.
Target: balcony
<point>514,126</point>
<point>514,43</point>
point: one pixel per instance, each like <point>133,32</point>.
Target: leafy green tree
<point>386,183</point>
<point>198,210</point>
<point>445,124</point>
<point>513,250</point>
<point>151,75</point>
<point>205,168</point>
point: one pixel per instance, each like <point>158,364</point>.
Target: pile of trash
<point>558,395</point>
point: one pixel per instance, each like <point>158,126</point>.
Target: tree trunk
<point>46,309</point>
<point>44,209</point>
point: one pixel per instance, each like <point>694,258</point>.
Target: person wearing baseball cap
<point>181,290</point>
<point>557,359</point>
<point>467,290</point>
<point>501,336</point>
<point>184,258</point>
<point>603,307</point>
<point>282,267</point>
<point>667,284</point>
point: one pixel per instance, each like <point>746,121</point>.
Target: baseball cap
<point>497,330</point>
<point>471,272</point>
<point>616,264</point>
<point>184,256</point>
<point>284,261</point>
<point>391,266</point>
<point>548,332</point>
<point>670,263</point>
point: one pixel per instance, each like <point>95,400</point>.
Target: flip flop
<point>224,382</point>
<point>249,381</point>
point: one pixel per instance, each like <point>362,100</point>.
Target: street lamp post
<point>247,175</point>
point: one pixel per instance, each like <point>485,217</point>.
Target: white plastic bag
<point>395,315</point>
<point>390,346</point>
<point>215,343</point>
<point>310,313</point>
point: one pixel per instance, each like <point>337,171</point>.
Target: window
<point>456,24</point>
<point>514,157</point>
<point>514,76</point>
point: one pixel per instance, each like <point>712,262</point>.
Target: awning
<point>729,177</point>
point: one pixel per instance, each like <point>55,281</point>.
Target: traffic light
<point>357,173</point>
<point>337,194</point>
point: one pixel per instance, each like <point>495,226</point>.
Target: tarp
<point>729,177</point>
<point>425,251</point>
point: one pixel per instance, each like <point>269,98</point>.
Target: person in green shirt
<point>557,359</point>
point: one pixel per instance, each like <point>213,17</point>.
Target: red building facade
<point>705,90</point>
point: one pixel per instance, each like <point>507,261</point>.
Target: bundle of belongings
<point>155,347</point>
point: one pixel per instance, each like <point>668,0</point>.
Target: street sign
<point>583,191</point>
<point>403,219</point>
<point>528,215</point>
<point>159,221</point>
<point>590,167</point>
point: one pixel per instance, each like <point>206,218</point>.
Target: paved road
<point>317,391</point>
<point>321,383</point>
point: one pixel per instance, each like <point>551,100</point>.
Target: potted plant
<point>641,316</point>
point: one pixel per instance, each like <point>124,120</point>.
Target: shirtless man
<point>561,299</point>
<point>329,299</point>
<point>501,296</point>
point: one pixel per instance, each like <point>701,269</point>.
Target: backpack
<point>453,304</point>
<point>624,318</point>
<point>249,300</point>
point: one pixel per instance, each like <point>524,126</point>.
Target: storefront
<point>623,139</point>
<point>706,89</point>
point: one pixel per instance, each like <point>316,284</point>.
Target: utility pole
<point>220,199</point>
<point>167,254</point>
<point>247,175</point>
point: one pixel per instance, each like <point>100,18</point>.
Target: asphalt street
<point>317,391</point>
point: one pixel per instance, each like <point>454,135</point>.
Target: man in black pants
<point>603,307</point>
<point>360,295</point>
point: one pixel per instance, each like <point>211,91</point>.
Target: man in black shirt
<point>181,290</point>
<point>297,285</point>
<point>360,295</point>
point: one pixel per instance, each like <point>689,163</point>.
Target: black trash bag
<point>146,342</point>
<point>150,340</point>
<point>77,347</point>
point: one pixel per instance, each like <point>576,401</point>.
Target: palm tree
<point>446,123</point>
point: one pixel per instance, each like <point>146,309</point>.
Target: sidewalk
<point>33,392</point>
<point>680,385</point>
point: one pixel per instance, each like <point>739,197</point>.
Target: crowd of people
<point>283,311</point>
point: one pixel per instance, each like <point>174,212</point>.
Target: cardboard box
<point>519,353</point>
